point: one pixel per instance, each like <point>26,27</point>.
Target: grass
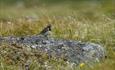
<point>85,22</point>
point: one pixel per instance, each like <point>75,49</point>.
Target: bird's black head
<point>49,27</point>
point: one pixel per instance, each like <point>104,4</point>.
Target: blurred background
<point>83,20</point>
<point>105,6</point>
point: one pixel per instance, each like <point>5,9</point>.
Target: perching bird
<point>46,31</point>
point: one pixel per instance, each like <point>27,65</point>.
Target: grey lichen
<point>70,50</point>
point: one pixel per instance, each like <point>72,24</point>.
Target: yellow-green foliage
<point>85,23</point>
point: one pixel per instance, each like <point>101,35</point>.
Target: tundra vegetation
<point>84,20</point>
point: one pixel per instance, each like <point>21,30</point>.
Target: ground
<point>85,22</point>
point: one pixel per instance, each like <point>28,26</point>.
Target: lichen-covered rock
<point>70,50</point>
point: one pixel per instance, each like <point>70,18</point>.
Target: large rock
<point>70,50</point>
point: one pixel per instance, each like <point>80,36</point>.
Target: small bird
<point>46,31</point>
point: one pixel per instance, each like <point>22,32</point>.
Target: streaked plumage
<point>46,31</point>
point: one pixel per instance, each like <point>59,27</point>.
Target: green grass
<point>84,22</point>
